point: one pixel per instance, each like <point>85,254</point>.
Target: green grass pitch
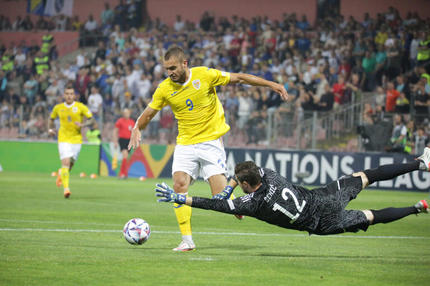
<point>48,240</point>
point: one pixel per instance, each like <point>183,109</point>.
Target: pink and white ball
<point>136,231</point>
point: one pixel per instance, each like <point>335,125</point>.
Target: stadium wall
<point>154,161</point>
<point>42,157</point>
<point>66,42</point>
<point>359,8</point>
<point>167,10</point>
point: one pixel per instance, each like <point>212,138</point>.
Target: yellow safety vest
<point>424,55</point>
<point>93,136</point>
<point>41,64</point>
<point>7,63</point>
<point>46,42</point>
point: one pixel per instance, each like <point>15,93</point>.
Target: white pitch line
<point>216,233</point>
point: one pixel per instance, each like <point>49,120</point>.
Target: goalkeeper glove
<point>168,194</point>
<point>225,194</point>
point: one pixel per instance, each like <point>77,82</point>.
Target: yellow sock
<point>183,216</point>
<point>64,173</point>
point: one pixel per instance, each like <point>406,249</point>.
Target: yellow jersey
<point>195,104</point>
<point>69,114</point>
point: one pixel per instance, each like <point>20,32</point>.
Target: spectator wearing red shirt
<point>339,89</point>
<point>391,97</point>
<point>122,135</point>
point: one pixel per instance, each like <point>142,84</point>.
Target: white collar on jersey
<point>68,106</point>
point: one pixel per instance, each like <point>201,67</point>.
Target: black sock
<point>391,214</point>
<point>387,172</point>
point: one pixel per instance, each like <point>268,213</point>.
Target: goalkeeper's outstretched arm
<point>236,206</point>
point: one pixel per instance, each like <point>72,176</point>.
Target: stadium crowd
<point>326,65</point>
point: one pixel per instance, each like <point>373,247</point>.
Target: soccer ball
<point>136,231</point>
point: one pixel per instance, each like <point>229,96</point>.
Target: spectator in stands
<point>398,138</point>
<point>3,84</point>
<point>369,65</point>
<point>326,101</point>
<point>381,60</point>
<point>100,52</point>
<point>61,22</point>
<point>339,91</point>
<point>120,12</point>
<point>179,24</point>
<point>421,140</point>
<point>42,24</point>
<point>143,87</point>
<point>17,25</point>
<point>107,15</point>
<point>90,31</point>
<point>422,100</point>
<point>76,25</point>
<point>342,43</point>
<point>207,22</point>
<point>95,103</point>
<point>402,104</point>
<point>391,97</point>
<point>244,109</point>
<point>81,84</point>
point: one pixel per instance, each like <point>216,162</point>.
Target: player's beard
<point>181,77</point>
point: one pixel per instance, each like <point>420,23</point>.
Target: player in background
<point>190,92</point>
<point>71,114</point>
<point>121,136</point>
<point>271,198</point>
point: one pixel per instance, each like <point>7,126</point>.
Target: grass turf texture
<point>48,240</point>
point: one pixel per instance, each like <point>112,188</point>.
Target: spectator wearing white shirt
<point>90,30</point>
<point>179,24</point>
<point>118,87</point>
<point>95,102</point>
<point>143,86</point>
<point>91,24</point>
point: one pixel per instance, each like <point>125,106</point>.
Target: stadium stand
<point>341,74</point>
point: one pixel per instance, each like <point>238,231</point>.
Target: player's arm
<point>51,122</point>
<point>51,127</point>
<point>141,124</point>
<point>88,117</point>
<point>236,206</point>
<point>228,190</point>
<point>86,123</point>
<point>250,79</point>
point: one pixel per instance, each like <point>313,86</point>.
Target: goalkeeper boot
<point>185,246</point>
<point>425,158</point>
<point>422,206</point>
<point>67,193</point>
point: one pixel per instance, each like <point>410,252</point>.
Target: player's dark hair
<point>249,172</point>
<point>69,85</point>
<point>176,52</point>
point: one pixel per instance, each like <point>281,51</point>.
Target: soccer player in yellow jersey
<point>190,92</point>
<point>71,114</point>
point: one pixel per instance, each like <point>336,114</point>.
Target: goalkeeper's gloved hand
<point>225,194</point>
<point>168,194</point>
